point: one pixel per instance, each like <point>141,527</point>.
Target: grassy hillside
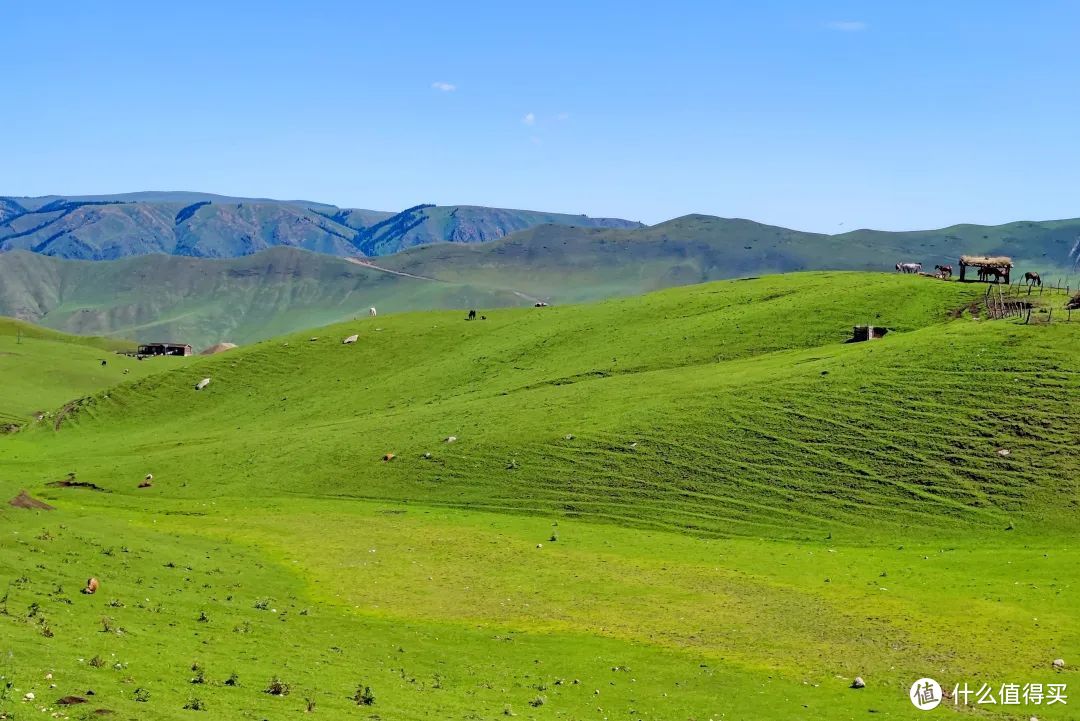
<point>699,503</point>
<point>42,369</point>
<point>285,289</point>
<point>203,302</point>
<point>578,264</point>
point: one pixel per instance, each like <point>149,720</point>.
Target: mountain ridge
<point>107,227</point>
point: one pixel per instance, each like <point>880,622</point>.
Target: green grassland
<point>699,503</point>
<point>42,369</point>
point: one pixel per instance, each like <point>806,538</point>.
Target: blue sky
<point>821,116</point>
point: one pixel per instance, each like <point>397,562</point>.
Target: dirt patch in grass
<point>25,500</point>
<point>69,483</point>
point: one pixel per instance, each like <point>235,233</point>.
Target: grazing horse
<point>1032,278</point>
<point>945,271</point>
<point>909,267</point>
<point>986,273</point>
<point>472,315</point>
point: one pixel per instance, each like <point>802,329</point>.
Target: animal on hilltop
<point>909,267</point>
<point>945,271</point>
<point>371,312</point>
<point>1032,278</point>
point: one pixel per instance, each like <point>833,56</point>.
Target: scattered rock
<point>858,683</point>
<point>1059,663</point>
<point>351,339</point>
<point>569,436</point>
<point>427,455</point>
<point>29,696</point>
<point>202,384</point>
<point>25,500</point>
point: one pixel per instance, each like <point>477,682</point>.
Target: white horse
<point>371,312</point>
<point>909,267</point>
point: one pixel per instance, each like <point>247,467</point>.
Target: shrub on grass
<point>364,696</point>
<point>195,704</point>
<point>277,687</point>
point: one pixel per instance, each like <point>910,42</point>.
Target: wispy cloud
<point>444,86</point>
<point>529,119</point>
<point>562,116</point>
<point>847,26</point>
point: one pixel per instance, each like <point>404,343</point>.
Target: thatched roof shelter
<point>995,266</point>
<point>983,261</point>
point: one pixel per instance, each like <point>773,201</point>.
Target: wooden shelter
<point>862,333</point>
<point>1000,263</point>
<point>152,349</point>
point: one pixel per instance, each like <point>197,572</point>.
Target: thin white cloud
<point>562,116</point>
<point>444,86</point>
<point>847,26</point>
<point>529,119</point>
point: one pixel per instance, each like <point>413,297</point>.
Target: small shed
<point>154,349</point>
<point>867,332</point>
<point>1000,266</point>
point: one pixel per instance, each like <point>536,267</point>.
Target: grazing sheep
<point>202,384</point>
<point>351,339</point>
<point>388,457</point>
<point>91,586</point>
<point>451,439</point>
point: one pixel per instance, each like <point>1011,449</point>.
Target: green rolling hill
<point>43,369</point>
<point>204,301</point>
<point>698,503</point>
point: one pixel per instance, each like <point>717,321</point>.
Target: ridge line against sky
<point>820,116</point>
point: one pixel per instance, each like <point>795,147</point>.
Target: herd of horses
<point>986,273</point>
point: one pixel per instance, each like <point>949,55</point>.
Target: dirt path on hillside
<point>368,264</point>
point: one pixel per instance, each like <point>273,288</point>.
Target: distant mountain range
<point>107,227</point>
<point>245,299</point>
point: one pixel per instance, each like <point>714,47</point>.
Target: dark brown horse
<point>1032,279</point>
<point>945,271</point>
<point>996,273</point>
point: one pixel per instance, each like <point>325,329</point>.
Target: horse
<point>945,271</point>
<point>1032,278</point>
<point>909,267</point>
<point>472,315</point>
<point>371,312</point>
<point>996,273</point>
